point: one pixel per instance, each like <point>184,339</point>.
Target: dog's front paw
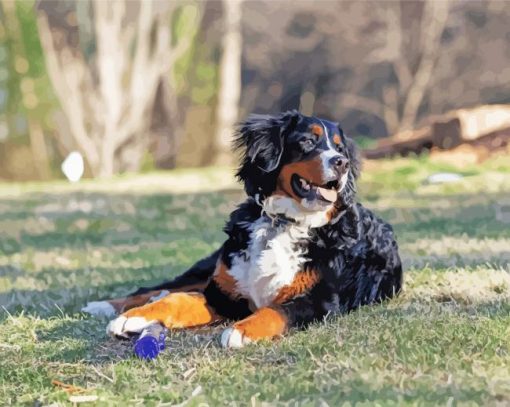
<point>125,326</point>
<point>99,308</point>
<point>234,338</point>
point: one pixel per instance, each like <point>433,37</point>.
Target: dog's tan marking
<point>225,281</point>
<point>302,283</point>
<point>336,139</point>
<point>266,322</point>
<point>334,211</point>
<point>177,310</point>
<point>123,304</point>
<point>310,170</point>
<point>317,130</point>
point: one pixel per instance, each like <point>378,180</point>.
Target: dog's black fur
<point>355,254</point>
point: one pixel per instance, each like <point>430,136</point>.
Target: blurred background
<point>136,86</point>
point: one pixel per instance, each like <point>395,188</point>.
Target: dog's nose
<point>340,162</point>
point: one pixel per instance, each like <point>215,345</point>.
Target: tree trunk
<point>39,149</point>
<point>166,127</point>
<point>434,18</point>
<point>230,84</point>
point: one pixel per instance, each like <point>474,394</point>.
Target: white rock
<point>443,177</point>
<point>73,166</point>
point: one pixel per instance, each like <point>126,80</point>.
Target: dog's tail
<point>194,279</point>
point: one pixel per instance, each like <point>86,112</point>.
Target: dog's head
<point>297,166</point>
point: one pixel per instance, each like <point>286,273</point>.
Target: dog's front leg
<point>273,321</point>
<point>176,310</point>
<point>265,323</point>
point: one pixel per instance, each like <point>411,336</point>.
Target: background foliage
<point>365,64</point>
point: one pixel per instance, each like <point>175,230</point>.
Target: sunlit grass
<point>445,340</point>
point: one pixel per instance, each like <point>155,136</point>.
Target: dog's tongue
<point>327,194</point>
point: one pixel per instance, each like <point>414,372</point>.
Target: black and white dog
<point>298,248</point>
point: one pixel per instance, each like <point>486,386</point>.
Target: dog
<point>298,248</point>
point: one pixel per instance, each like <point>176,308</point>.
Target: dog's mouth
<point>305,189</point>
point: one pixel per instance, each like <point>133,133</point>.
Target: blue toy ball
<point>150,342</point>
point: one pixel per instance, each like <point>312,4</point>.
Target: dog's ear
<point>260,139</point>
<point>353,154</point>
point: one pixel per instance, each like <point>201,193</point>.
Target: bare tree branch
<point>363,104</point>
<point>66,82</point>
<point>401,102</point>
<point>107,98</point>
<point>230,82</point>
<point>433,22</point>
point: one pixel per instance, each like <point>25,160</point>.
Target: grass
<point>445,340</point>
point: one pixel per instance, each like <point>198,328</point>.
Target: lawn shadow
<point>88,220</point>
<point>93,219</point>
<point>495,260</point>
<point>465,215</point>
<point>85,340</point>
<point>80,340</point>
<point>71,298</point>
<point>152,238</point>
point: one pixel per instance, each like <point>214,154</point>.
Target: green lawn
<point>445,340</point>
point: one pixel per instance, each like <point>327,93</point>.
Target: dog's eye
<point>307,145</point>
<point>340,148</point>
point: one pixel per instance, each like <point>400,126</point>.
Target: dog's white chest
<point>270,262</point>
